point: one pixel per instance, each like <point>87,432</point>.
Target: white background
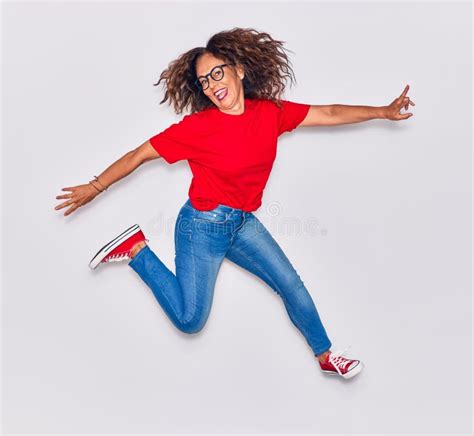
<point>386,258</point>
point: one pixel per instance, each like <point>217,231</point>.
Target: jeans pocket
<point>211,216</point>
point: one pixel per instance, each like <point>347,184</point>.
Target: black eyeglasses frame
<point>198,83</point>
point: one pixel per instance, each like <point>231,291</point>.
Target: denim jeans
<point>202,240</point>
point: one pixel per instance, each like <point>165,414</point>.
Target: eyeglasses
<point>217,73</point>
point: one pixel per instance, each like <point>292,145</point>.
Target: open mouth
<point>221,94</point>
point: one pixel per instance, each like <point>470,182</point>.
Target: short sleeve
<point>178,141</point>
<point>290,115</point>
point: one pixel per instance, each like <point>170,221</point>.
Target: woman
<point>232,87</point>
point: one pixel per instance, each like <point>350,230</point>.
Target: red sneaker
<point>335,364</point>
<point>118,248</point>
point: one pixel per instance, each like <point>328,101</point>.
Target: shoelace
<point>118,257</point>
<point>338,361</point>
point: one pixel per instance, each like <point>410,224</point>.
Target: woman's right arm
<point>128,163</point>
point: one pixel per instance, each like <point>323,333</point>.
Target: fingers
<point>403,100</point>
<point>65,204</point>
<point>406,102</point>
<point>402,96</point>
<point>399,103</point>
<point>63,196</point>
<point>71,203</point>
<point>404,116</point>
<point>71,209</point>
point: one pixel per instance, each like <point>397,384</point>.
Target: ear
<point>240,71</point>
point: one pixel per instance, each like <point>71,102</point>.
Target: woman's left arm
<point>335,114</point>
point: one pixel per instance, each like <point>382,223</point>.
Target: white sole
<point>107,248</point>
<point>354,371</point>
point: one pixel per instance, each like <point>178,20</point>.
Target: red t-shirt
<point>230,156</point>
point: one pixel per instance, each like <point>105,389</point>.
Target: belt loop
<point>244,216</point>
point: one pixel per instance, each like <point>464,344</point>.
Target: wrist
<point>381,112</point>
<point>102,186</point>
<point>95,188</point>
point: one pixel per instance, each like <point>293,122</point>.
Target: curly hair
<point>263,58</point>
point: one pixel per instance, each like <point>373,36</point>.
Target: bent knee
<point>192,326</point>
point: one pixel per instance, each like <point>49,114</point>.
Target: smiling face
<point>233,95</point>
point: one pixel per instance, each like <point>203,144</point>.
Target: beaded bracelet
<point>97,179</point>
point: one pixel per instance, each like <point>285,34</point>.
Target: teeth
<point>220,91</point>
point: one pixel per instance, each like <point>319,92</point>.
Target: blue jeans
<point>202,240</point>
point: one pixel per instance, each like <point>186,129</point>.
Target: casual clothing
<point>203,239</point>
<point>230,156</point>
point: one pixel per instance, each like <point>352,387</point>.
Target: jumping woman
<point>232,88</point>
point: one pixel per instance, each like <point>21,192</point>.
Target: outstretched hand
<point>392,111</point>
<point>80,195</point>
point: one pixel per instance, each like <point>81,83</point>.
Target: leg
<point>255,250</point>
<point>186,297</point>
<point>136,248</point>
